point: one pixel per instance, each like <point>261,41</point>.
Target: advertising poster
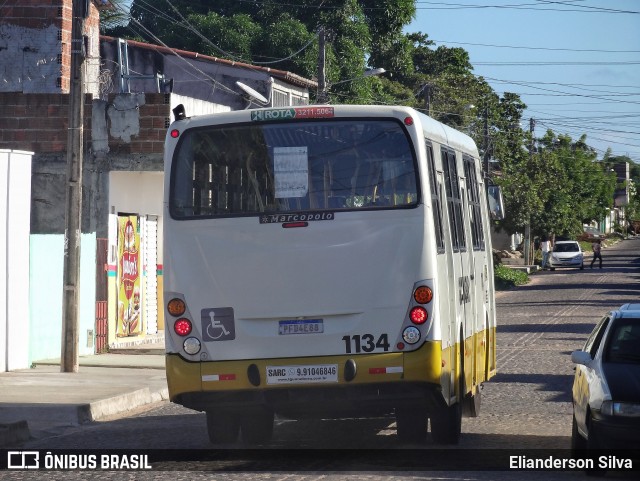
<point>129,312</point>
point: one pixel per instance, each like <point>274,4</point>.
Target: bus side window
<point>477,232</point>
<point>435,200</point>
<point>454,201</point>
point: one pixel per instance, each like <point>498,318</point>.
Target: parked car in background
<point>606,386</point>
<point>591,234</point>
<point>566,253</point>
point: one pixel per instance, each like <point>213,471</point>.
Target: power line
<point>536,48</point>
<point>552,64</point>
<point>173,51</point>
<point>449,6</point>
<point>185,23</point>
<point>524,6</point>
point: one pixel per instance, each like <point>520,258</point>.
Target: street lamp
<point>372,72</point>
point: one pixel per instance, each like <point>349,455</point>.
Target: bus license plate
<point>297,326</point>
<point>302,374</point>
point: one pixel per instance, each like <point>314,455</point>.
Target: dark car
<point>606,387</point>
<point>591,234</point>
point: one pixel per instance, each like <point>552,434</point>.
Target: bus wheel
<point>471,404</point>
<point>222,427</point>
<point>411,424</point>
<point>446,424</point>
<point>256,426</point>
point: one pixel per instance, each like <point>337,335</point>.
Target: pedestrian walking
<point>545,247</point>
<point>597,254</point>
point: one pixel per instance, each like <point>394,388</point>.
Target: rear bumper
<point>335,401</point>
<point>366,385</point>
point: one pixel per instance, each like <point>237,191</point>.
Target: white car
<point>566,254</point>
<point>606,387</point>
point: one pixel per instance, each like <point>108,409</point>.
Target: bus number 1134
<point>365,343</point>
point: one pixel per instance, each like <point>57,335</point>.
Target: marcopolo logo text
<point>297,217</point>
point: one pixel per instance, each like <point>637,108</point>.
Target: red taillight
<point>408,121</point>
<point>418,315</point>
<point>182,327</point>
<point>175,133</point>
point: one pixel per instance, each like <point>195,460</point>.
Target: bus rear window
<point>245,169</point>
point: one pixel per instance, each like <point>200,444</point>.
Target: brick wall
<point>38,123</point>
<point>152,116</point>
<point>35,45</point>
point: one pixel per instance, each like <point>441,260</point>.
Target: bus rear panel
<point>301,276</point>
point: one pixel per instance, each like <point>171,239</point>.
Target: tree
<point>266,32</point>
<point>115,18</point>
<point>554,186</point>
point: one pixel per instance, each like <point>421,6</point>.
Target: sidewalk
<point>43,401</point>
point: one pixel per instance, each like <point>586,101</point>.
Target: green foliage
<point>552,183</point>
<point>269,30</point>
<point>506,278</point>
<point>556,187</point>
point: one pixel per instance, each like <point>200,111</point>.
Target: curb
<point>16,433</point>
<point>119,404</point>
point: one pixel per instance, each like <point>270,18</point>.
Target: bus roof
<point>438,131</point>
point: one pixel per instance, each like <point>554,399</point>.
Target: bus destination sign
<point>296,113</point>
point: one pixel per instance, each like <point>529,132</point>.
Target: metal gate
<point>102,296</point>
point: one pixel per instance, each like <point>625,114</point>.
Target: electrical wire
<point>575,50</point>
<point>606,96</point>
<point>187,25</point>
<point>175,53</point>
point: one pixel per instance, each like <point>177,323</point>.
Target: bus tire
<point>446,422</point>
<point>222,427</point>
<point>411,424</point>
<point>471,404</point>
<point>256,426</point>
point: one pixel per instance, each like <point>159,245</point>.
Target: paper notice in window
<point>291,171</point>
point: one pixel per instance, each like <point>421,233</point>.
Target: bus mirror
<point>496,204</point>
<point>179,112</point>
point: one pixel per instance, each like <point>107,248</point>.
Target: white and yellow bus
<point>326,261</point>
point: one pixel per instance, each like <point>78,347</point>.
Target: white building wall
<point>15,208</point>
<point>194,106</point>
<point>138,193</point>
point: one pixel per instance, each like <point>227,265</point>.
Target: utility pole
<point>486,145</point>
<point>527,228</point>
<point>73,216</point>
<point>427,99</point>
<point>322,96</point>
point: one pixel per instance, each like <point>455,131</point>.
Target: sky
<point>575,63</point>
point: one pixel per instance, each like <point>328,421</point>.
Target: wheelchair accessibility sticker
<point>218,324</point>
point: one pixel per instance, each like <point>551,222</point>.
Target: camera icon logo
<point>23,460</point>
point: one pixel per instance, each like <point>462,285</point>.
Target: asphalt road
<point>527,405</point>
